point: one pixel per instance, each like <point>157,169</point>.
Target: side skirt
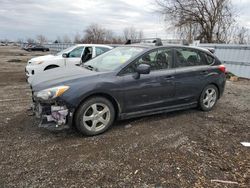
<point>123,116</point>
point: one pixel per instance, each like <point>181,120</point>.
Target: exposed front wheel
<point>208,98</point>
<point>95,116</point>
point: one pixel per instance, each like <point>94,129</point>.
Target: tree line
<point>95,34</point>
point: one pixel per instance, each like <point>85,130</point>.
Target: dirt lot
<point>181,149</point>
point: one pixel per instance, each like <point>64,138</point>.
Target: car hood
<point>59,76</point>
<point>38,59</point>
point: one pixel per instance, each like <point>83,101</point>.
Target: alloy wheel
<point>210,98</point>
<point>96,117</point>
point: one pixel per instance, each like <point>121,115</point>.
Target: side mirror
<point>141,69</point>
<point>65,55</point>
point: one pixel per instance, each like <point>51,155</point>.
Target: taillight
<point>222,68</point>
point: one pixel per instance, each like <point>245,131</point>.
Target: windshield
<point>66,50</point>
<point>113,59</point>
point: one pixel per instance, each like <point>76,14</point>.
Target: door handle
<point>204,72</point>
<point>169,77</point>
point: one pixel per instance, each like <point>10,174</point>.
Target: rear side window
<point>190,57</point>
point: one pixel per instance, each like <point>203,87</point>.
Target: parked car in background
<point>36,48</point>
<point>3,44</point>
<point>69,57</point>
<point>127,82</point>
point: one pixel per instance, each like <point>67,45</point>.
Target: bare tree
<point>30,40</point>
<point>117,40</point>
<point>66,39</point>
<point>205,20</point>
<point>108,36</point>
<point>41,39</point>
<point>237,35</point>
<point>140,34</point>
<point>20,41</point>
<point>131,33</point>
<point>242,36</point>
<point>77,38</point>
<point>95,33</point>
<point>58,39</point>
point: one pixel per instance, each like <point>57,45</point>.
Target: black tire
<point>84,126</point>
<point>207,106</point>
<point>51,67</point>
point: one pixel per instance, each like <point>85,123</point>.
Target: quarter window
<point>210,59</point>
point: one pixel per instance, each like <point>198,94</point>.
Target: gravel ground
<point>181,149</point>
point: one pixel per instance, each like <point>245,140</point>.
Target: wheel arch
<point>114,102</point>
<point>218,88</point>
<point>50,67</point>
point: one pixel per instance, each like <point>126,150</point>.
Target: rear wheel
<point>94,116</point>
<point>208,98</point>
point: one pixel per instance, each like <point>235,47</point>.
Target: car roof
<point>95,45</point>
<point>147,46</point>
<point>169,45</point>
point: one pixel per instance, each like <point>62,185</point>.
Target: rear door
<point>153,90</point>
<point>192,71</point>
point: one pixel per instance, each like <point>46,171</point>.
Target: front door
<point>74,57</point>
<point>153,90</point>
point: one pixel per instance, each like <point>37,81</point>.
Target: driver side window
<point>157,60</point>
<point>76,52</point>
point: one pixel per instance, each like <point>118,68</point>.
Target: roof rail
<point>148,41</point>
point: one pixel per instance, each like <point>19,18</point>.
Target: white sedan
<point>69,57</point>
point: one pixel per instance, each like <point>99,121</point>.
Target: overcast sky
<point>52,18</point>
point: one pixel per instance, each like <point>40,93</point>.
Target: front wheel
<point>208,98</point>
<point>94,116</point>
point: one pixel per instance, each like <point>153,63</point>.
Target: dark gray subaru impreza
<point>127,82</point>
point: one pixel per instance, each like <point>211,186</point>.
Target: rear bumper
<point>222,85</point>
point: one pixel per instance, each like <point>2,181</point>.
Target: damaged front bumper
<point>53,115</point>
